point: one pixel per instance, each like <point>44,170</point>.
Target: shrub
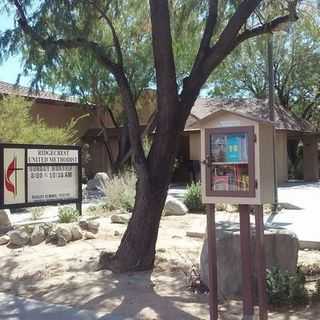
<point>121,191</point>
<point>192,198</point>
<point>37,213</point>
<point>284,288</point>
<point>68,214</point>
<point>18,126</point>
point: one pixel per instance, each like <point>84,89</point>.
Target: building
<point>57,111</point>
<point>288,127</point>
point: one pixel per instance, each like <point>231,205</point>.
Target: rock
<point>281,248</point>
<point>89,235</point>
<point>5,220</point>
<point>92,226</point>
<point>19,237</point>
<point>76,233</point>
<point>64,232</point>
<point>83,224</point>
<point>174,207</point>
<point>47,228</point>
<point>120,219</point>
<point>61,241</point>
<point>38,235</point>
<point>4,240</point>
<point>52,236</point>
<point>99,182</point>
<point>195,234</point>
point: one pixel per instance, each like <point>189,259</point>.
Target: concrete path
<point>303,217</point>
<point>16,308</point>
<point>302,213</point>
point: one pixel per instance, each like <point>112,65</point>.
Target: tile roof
<point>255,108</point>
<point>8,88</point>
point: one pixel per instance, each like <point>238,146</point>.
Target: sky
<point>10,68</point>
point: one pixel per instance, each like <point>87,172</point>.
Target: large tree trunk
<point>137,249</point>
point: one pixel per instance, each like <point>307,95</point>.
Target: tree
<point>54,27</point>
<point>23,129</point>
<point>296,68</point>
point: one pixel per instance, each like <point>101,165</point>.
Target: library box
<point>237,159</point>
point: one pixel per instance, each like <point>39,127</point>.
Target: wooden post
<point>246,261</point>
<point>212,261</point>
<point>261,263</point>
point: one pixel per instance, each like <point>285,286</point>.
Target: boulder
<point>174,207</point>
<point>92,226</point>
<point>19,237</point>
<point>64,232</point>
<point>89,235</point>
<point>76,233</point>
<point>281,251</point>
<point>5,220</point>
<point>38,235</point>
<point>4,240</point>
<point>52,236</point>
<point>120,219</point>
<point>61,241</point>
<point>99,182</point>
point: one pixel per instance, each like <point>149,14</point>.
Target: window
<point>230,161</point>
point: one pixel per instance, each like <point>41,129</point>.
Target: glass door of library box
<point>230,162</point>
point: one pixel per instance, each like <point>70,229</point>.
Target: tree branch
<point>208,31</point>
<point>49,44</point>
<point>115,37</point>
<point>229,40</point>
<point>167,91</point>
<point>268,27</point>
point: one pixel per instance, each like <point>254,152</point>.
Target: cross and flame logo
<point>11,178</point>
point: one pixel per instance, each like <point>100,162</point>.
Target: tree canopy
<point>186,40</point>
<point>296,67</point>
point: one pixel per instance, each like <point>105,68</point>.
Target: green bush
<point>67,215</point>
<point>18,126</point>
<point>37,213</point>
<point>284,288</point>
<point>121,191</point>
<point>192,198</point>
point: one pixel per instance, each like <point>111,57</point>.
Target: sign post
<point>237,168</point>
<point>39,175</point>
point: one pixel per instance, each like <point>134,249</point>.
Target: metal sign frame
<point>26,147</point>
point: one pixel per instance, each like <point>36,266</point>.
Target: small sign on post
<point>237,168</point>
<point>39,175</point>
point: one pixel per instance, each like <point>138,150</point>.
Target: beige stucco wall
<point>310,158</point>
<point>282,156</point>
<point>194,145</point>
<point>57,115</point>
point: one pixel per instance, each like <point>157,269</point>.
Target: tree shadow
<point>122,296</point>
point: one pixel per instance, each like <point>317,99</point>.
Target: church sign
<point>35,175</point>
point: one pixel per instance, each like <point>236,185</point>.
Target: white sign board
<point>34,174</point>
<point>63,182</point>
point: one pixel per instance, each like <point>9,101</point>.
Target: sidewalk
<point>304,217</point>
<point>16,308</point>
